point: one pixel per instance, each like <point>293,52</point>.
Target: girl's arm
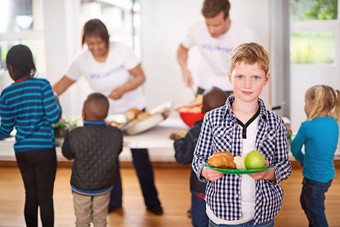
<point>7,120</point>
<point>297,144</point>
<point>51,105</point>
<point>138,79</point>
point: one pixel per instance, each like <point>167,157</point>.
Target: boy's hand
<point>210,174</point>
<point>265,175</point>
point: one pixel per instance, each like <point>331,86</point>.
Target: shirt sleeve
<point>297,144</point>
<point>189,39</point>
<point>66,148</point>
<point>74,71</point>
<point>281,163</point>
<point>7,119</point>
<point>184,149</point>
<point>203,148</point>
<point>131,60</point>
<point>51,105</point>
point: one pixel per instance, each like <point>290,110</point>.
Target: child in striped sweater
<point>29,105</point>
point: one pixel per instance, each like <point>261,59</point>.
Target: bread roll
<point>132,113</point>
<point>222,159</point>
<point>143,115</point>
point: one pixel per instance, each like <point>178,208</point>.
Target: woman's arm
<point>138,79</point>
<point>62,85</point>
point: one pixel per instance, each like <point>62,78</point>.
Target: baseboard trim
<point>123,164</point>
<point>129,164</point>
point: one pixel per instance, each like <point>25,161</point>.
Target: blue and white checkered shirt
<point>221,132</point>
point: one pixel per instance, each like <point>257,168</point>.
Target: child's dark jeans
<point>199,217</point>
<point>312,201</point>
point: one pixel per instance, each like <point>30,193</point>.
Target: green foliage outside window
<point>312,48</point>
<point>314,9</point>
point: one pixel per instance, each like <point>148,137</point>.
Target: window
<point>313,31</point>
<point>21,22</point>
<point>121,17</point>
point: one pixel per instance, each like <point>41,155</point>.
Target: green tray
<point>237,171</point>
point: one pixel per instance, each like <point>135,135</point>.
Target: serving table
<point>156,138</point>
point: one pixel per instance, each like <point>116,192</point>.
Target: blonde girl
<point>319,134</point>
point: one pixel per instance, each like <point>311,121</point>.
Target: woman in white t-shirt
<point>113,69</point>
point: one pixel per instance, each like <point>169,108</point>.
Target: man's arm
<point>182,57</point>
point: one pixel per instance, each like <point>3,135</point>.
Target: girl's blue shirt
<point>29,106</point>
<point>320,138</point>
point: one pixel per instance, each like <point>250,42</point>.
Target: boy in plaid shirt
<point>244,124</point>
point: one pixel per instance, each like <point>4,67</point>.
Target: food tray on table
<point>158,114</point>
<point>237,171</point>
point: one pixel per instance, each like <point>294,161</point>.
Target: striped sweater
<point>29,106</point>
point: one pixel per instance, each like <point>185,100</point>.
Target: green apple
<point>254,160</point>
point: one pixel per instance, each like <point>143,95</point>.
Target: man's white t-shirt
<point>105,76</point>
<point>214,62</point>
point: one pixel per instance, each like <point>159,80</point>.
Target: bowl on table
<point>190,114</point>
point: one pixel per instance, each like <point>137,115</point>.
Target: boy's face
<point>248,81</point>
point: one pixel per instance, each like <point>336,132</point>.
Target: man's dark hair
<point>211,8</point>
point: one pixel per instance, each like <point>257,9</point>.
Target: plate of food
<point>237,171</point>
<point>223,161</point>
<point>138,121</point>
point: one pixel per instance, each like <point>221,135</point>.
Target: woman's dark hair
<point>95,27</point>
<point>21,59</point>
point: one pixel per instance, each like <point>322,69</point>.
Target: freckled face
<point>248,81</point>
<point>96,45</point>
<point>217,25</point>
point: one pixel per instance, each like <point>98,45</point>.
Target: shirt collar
<point>21,80</point>
<point>230,114</point>
<point>94,122</point>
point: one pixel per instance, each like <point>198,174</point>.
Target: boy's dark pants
<point>38,169</point>
<point>199,217</point>
<point>312,201</point>
<point>144,172</point>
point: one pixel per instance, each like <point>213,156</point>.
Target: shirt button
<point>236,195</point>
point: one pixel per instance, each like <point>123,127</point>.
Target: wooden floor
<point>174,194</point>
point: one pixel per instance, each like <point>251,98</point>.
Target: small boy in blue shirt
<point>95,148</point>
<point>244,124</point>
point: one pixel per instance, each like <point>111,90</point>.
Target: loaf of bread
<point>143,115</point>
<point>132,113</point>
<point>222,159</point>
